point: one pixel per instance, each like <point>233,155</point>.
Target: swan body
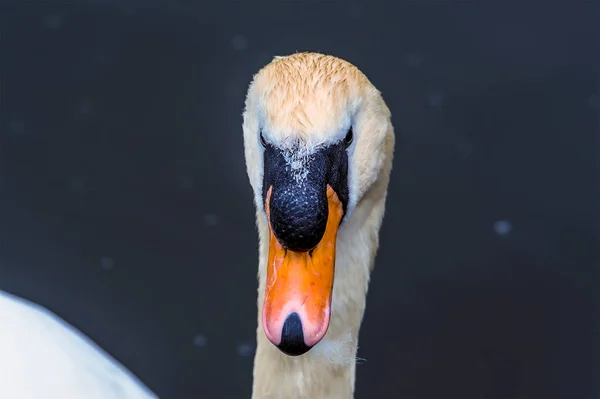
<point>43,357</point>
<point>318,145</point>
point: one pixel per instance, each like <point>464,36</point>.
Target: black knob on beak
<point>299,214</point>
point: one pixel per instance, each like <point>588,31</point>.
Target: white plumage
<point>43,357</point>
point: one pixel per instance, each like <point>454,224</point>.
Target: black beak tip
<point>292,337</point>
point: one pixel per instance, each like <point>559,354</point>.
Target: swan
<point>318,145</point>
<point>43,357</point>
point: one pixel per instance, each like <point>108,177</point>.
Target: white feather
<point>43,357</point>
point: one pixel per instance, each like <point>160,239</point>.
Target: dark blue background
<point>125,206</point>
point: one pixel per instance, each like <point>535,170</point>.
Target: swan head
<point>317,135</point>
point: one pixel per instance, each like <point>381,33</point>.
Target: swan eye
<point>262,140</point>
<point>349,137</point>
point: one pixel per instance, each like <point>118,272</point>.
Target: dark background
<point>125,206</point>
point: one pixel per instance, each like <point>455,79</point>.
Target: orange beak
<point>297,305</point>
